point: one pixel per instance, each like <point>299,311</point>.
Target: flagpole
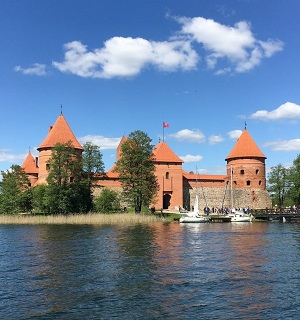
<point>163,131</point>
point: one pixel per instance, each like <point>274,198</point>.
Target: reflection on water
<point>247,280</point>
<point>157,271</point>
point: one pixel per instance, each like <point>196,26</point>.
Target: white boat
<point>193,216</point>
<point>194,219</point>
<point>241,217</point>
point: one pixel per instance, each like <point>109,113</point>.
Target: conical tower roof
<point>29,164</point>
<point>60,133</point>
<point>124,139</point>
<point>245,147</point>
<point>163,153</point>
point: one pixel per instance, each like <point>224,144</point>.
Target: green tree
<point>294,172</point>
<point>70,198</point>
<point>92,162</point>
<point>107,201</point>
<point>137,171</point>
<point>26,201</point>
<point>39,198</point>
<point>15,194</point>
<point>279,184</point>
<point>65,165</point>
<point>66,192</point>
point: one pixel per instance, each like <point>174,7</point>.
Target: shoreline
<point>80,219</point>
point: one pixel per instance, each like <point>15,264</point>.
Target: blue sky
<point>204,66</point>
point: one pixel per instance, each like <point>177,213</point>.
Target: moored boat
<point>241,217</point>
<point>193,216</point>
<point>194,219</point>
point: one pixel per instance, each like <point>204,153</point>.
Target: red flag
<point>166,125</point>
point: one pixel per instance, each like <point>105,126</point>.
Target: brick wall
<point>221,196</point>
<point>169,177</point>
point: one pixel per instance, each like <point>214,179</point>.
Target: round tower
<point>31,169</point>
<point>60,132</point>
<point>246,174</point>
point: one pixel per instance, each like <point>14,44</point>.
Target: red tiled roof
<point>60,133</point>
<point>194,176</point>
<point>124,139</point>
<point>29,164</point>
<point>163,153</point>
<point>111,173</point>
<point>245,147</point>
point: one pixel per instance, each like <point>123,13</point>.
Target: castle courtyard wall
<point>218,197</point>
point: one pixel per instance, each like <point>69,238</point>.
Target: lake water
<point>158,271</point>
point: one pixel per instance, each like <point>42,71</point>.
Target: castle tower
<point>60,132</point>
<point>31,168</point>
<point>118,152</point>
<point>246,174</point>
<point>168,170</point>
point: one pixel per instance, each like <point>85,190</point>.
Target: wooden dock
<point>277,216</point>
<point>220,219</point>
<point>263,215</point>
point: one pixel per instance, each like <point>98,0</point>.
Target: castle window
<point>234,182</point>
<point>257,171</point>
<point>248,182</point>
<point>47,166</point>
<point>167,175</point>
<point>242,171</point>
<point>259,182</point>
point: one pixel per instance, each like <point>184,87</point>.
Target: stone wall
<point>218,197</point>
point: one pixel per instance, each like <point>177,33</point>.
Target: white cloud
<point>284,145</point>
<point>237,44</point>
<point>191,158</point>
<point>126,57</point>
<point>287,110</point>
<point>234,134</point>
<point>102,142</point>
<point>12,158</point>
<point>271,46</point>
<point>189,136</point>
<point>233,46</point>
<point>213,139</point>
<point>37,69</point>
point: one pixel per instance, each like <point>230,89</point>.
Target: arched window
<point>248,182</point>
<point>257,171</point>
<point>260,182</point>
<point>242,171</point>
<point>167,175</point>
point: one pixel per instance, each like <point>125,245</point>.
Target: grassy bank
<point>95,218</point>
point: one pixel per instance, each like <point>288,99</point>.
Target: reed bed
<point>91,219</point>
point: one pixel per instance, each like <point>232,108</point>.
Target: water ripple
<point>159,271</point>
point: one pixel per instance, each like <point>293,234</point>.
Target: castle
<point>243,185</point>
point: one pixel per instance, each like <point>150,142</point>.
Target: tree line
<point>72,178</point>
<point>283,184</point>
